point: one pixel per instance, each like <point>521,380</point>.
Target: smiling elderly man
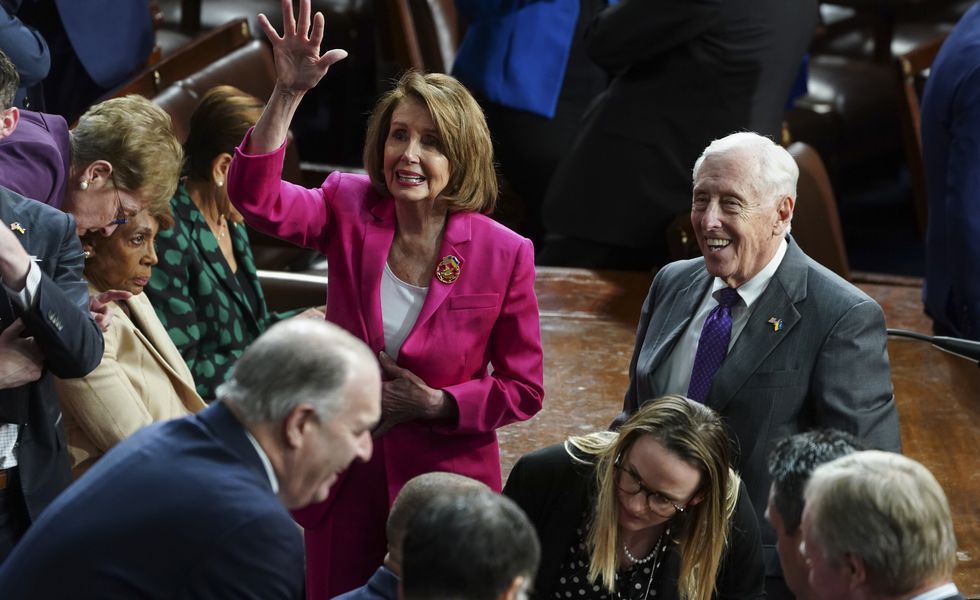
<point>756,329</point>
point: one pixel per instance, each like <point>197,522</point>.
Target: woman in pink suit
<point>441,292</point>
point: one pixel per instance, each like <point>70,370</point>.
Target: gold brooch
<point>447,271</point>
<point>18,228</point>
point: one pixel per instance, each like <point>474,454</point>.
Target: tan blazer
<point>141,379</point>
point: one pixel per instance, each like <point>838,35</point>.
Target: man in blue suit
<point>951,158</point>
<point>197,507</point>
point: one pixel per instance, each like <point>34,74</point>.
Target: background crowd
<point>757,453</point>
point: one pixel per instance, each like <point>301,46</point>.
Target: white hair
<point>775,172</point>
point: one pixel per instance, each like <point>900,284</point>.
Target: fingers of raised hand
<point>303,21</point>
<point>270,32</point>
<point>288,22</point>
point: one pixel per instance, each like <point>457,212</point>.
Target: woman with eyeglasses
<point>651,511</point>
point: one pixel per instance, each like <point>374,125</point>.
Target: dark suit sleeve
<point>962,202</point>
<point>59,320</point>
<point>852,388</point>
<point>261,559</point>
<point>742,575</point>
<point>25,47</point>
<point>637,30</point>
<point>631,401</point>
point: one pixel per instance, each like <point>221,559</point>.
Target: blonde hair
<point>462,128</point>
<point>696,435</point>
<point>137,138</point>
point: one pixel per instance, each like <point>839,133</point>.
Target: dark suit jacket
<point>951,158</point>
<point>687,72</point>
<point>826,367</point>
<point>182,509</point>
<point>555,492</point>
<point>68,337</point>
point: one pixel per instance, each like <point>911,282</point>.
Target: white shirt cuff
<point>25,297</point>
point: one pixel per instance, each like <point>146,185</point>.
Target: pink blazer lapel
<point>453,244</point>
<point>378,235</point>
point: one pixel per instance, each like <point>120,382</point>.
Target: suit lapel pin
<point>15,226</point>
<point>777,324</point>
<point>447,271</point>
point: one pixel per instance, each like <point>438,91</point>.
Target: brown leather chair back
<point>911,70</point>
<point>816,222</point>
<point>204,50</point>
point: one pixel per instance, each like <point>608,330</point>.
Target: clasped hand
<point>21,360</point>
<point>405,397</point>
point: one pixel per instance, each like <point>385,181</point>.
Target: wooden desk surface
<point>588,321</point>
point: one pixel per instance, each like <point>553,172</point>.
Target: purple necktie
<point>712,345</point>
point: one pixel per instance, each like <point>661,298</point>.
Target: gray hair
<point>297,361</point>
<point>793,460</point>
<point>773,170</point>
<point>888,510</point>
<point>9,81</point>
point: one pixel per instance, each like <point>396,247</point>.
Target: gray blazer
<point>826,367</point>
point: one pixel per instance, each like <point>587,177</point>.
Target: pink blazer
<point>488,316</point>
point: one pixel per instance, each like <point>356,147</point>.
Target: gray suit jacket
<point>827,366</point>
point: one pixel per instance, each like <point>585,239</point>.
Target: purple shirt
<point>34,158</point>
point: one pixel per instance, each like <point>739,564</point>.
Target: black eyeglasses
<point>629,482</point>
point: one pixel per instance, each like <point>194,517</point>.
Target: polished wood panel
<point>588,321</point>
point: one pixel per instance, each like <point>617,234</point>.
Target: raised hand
<point>299,64</point>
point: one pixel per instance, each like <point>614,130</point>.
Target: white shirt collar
<point>943,591</point>
<point>750,291</point>
<point>273,481</point>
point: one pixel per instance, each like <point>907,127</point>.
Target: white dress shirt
<point>673,376</point>
<point>273,480</point>
<point>401,304</point>
<point>943,591</point>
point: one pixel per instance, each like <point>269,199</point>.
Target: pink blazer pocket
<point>469,301</point>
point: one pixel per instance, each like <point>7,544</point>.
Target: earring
<point>83,185</point>
<point>220,183</point>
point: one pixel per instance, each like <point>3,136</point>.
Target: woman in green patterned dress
<point>205,288</point>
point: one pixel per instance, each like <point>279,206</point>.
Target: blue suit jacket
<point>951,156</point>
<point>69,339</point>
<point>383,585</point>
<point>515,51</point>
<point>182,509</point>
<point>26,49</point>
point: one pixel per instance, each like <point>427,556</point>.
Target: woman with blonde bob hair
<point>651,511</point>
<point>441,293</point>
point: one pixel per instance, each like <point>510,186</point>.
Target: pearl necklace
<point>657,552</point>
<point>645,559</point>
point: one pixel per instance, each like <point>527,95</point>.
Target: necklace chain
<point>658,551</point>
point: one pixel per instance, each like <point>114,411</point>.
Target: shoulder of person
<point>831,289</point>
<point>484,227</point>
